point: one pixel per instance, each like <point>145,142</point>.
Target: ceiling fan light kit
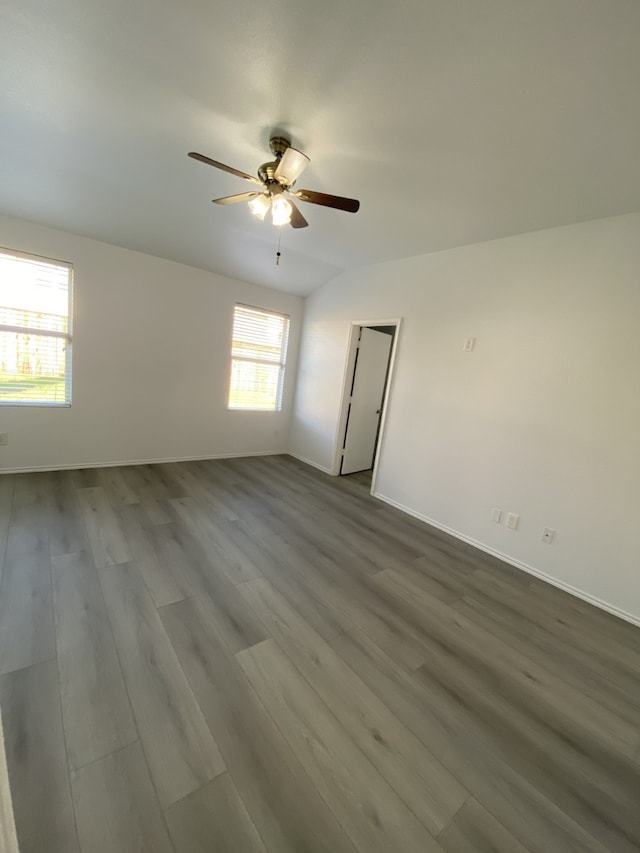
<point>260,205</point>
<point>281,210</point>
<point>277,178</point>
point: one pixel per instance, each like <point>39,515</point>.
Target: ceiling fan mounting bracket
<point>278,145</point>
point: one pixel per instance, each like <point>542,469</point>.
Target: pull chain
<point>278,253</point>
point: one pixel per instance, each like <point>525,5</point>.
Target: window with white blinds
<point>258,358</point>
<point>35,330</point>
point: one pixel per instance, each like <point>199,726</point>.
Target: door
<point>365,405</point>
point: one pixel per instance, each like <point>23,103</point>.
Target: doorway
<point>366,391</point>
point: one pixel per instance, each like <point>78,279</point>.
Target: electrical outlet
<point>548,535</point>
<point>496,515</point>
<point>512,521</point>
<point>468,344</point>
<point>4,438</point>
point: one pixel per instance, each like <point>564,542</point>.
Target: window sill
<point>34,404</point>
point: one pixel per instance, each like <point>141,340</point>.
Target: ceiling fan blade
<point>232,199</point>
<point>351,205</point>
<point>292,164</point>
<point>297,219</point>
<point>224,168</point>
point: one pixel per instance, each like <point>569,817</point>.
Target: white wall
<point>151,361</point>
<point>542,419</point>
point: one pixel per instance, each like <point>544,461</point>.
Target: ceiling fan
<point>276,180</point>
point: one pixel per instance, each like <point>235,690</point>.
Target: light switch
<point>512,521</point>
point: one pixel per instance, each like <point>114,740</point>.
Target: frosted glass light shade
<point>281,211</point>
<point>292,164</point>
<point>260,205</point>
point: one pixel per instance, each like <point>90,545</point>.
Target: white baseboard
<point>77,465</point>
<point>525,567</point>
<point>310,462</point>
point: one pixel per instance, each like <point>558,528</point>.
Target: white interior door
<point>366,400</point>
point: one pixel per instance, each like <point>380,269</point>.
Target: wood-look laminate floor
<point>247,655</point>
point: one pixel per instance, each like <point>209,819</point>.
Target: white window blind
<point>35,330</point>
<point>258,358</point>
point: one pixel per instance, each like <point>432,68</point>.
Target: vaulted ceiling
<point>453,121</point>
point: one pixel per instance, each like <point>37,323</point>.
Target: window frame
<point>281,363</point>
<point>47,333</point>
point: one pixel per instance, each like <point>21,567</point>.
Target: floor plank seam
<point>293,757</point>
<point>62,721</point>
<point>323,700</point>
<point>453,817</point>
<point>128,694</point>
<point>292,751</point>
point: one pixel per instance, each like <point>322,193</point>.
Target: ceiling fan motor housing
<point>266,172</point>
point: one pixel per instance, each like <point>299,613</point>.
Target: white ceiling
<point>453,121</point>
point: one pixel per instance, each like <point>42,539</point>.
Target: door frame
<point>347,381</point>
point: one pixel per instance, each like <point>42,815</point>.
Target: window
<point>258,356</point>
<point>35,330</point>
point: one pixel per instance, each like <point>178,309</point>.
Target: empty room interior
<point>319,503</point>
